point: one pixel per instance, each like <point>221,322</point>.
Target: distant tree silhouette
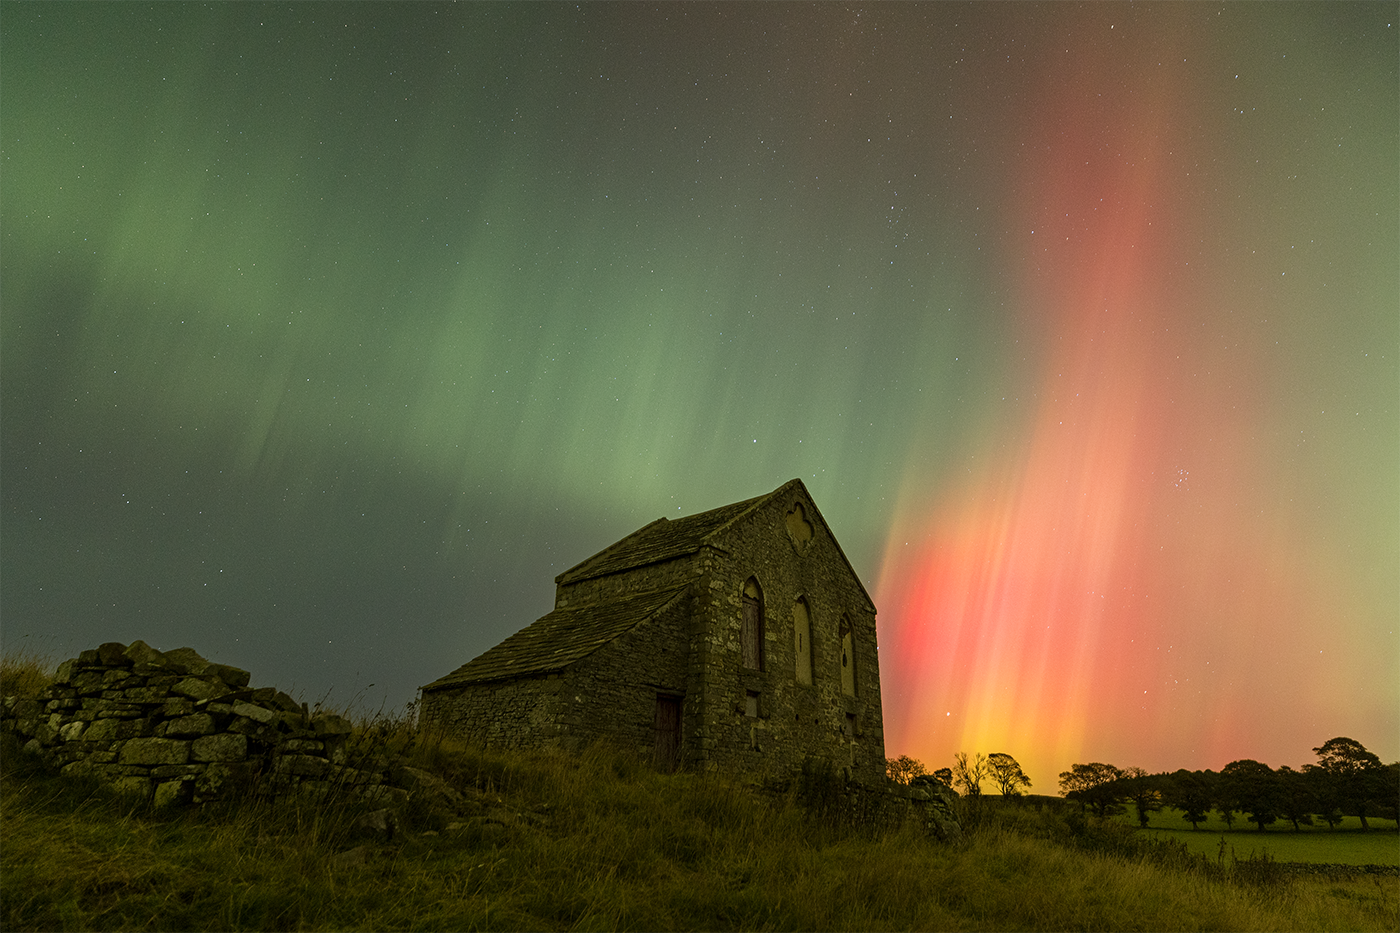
<point>1007,774</point>
<point>1351,779</point>
<point>1093,786</point>
<point>944,776</point>
<point>1143,790</point>
<point>1296,800</point>
<point>969,774</point>
<point>904,769</point>
<point>1191,793</point>
<point>1252,787</point>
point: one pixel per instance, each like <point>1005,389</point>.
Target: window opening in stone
<point>667,728</point>
<point>802,640</point>
<point>848,659</point>
<point>751,634</point>
<point>798,528</point>
<point>850,727</point>
<point>751,705</point>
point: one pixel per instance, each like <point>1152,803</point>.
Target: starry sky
<point>331,333</point>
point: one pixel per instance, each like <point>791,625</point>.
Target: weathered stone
<point>302,765</point>
<point>256,713</point>
<point>72,731</point>
<point>235,677</point>
<point>113,654</point>
<point>175,707</point>
<point>379,825</point>
<point>186,661</point>
<point>251,727</point>
<point>166,772</point>
<point>83,767</point>
<point>384,794</point>
<point>331,724</point>
<point>287,704</point>
<point>307,746</point>
<point>25,707</point>
<point>133,786</point>
<point>88,658</point>
<point>173,793</point>
<point>193,724</point>
<point>155,751</point>
<point>222,747</point>
<point>88,683</point>
<point>64,673</point>
<point>427,788</point>
<point>199,688</point>
<point>138,652</point>
<point>60,705</point>
<point>116,678</point>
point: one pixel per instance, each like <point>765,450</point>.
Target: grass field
<point>1345,845</point>
<point>601,842</point>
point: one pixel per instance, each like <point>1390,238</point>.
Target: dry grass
<point>24,673</point>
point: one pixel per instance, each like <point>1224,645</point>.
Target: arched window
<point>751,634</point>
<point>802,640</point>
<point>848,658</point>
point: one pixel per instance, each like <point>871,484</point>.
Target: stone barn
<point>738,640</point>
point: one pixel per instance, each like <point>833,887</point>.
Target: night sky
<point>332,333</point>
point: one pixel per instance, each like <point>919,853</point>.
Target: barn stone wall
<point>610,694</point>
<point>519,714</point>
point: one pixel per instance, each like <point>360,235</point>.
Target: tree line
<point>1346,780</point>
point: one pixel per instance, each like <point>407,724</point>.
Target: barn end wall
<point>791,555</point>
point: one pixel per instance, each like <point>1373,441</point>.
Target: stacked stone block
<point>174,727</point>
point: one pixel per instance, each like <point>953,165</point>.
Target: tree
<point>1296,801</point>
<point>1142,789</point>
<point>1190,792</point>
<point>944,776</point>
<point>1091,785</point>
<point>969,774</point>
<point>1007,774</point>
<point>1387,791</point>
<point>904,769</point>
<point>1251,786</point>
<point>1350,779</point>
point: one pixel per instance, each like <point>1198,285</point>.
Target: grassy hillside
<point>601,842</point>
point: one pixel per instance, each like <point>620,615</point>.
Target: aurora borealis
<point>331,333</point>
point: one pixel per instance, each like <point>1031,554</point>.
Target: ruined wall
<point>173,727</point>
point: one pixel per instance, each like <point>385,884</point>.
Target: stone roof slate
<point>559,638</point>
<point>662,540</point>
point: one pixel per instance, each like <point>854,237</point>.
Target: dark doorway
<point>667,725</point>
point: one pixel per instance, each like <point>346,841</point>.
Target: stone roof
<point>663,540</point>
<point>556,640</point>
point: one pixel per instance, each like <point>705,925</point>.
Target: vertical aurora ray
<point>1116,579</point>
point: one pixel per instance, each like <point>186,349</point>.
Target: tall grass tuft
<point>24,673</point>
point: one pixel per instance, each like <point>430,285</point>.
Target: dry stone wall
<point>175,728</point>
